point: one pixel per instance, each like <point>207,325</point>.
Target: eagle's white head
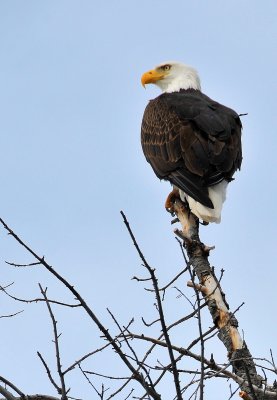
<point>171,76</point>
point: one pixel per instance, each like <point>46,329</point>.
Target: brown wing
<point>192,141</point>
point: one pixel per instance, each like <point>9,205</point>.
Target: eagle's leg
<point>186,218</point>
<point>171,199</point>
<point>190,226</point>
<point>174,194</point>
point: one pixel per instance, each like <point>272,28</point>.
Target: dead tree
<point>142,369</point>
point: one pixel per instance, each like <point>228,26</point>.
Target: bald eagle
<point>190,140</point>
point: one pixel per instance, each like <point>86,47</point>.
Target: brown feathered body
<point>192,141</point>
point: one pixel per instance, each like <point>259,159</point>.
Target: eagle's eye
<point>166,67</point>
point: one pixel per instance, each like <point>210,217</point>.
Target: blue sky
<point>71,106</point>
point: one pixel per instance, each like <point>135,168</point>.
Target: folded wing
<point>192,141</point>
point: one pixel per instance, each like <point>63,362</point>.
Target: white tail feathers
<point>217,194</point>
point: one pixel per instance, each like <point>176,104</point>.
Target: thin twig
<point>90,383</point>
<point>38,299</point>
<point>12,386</point>
<point>162,289</point>
<point>182,294</point>
<point>56,342</point>
<point>72,366</point>
<point>272,359</point>
<point>122,334</point>
<point>48,372</point>
<point>117,378</point>
<point>232,393</point>
<point>151,323</point>
<point>176,323</point>
<point>23,265</point>
<point>160,308</point>
<point>201,383</point>
<point>120,389</point>
<point>11,315</point>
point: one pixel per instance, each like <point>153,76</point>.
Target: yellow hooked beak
<point>152,76</point>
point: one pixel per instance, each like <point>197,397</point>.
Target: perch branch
<point>211,289</point>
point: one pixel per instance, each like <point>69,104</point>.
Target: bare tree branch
<point>12,386</point>
<point>22,265</point>
<point>11,315</point>
<point>201,382</point>
<point>36,397</point>
<point>136,375</point>
<point>6,393</point>
<point>116,378</point>
<point>48,372</point>
<point>38,299</point>
<point>150,371</point>
<point>160,308</point>
<point>219,309</point>
<point>76,363</point>
<point>62,389</point>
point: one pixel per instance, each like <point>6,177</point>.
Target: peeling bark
<point>238,353</point>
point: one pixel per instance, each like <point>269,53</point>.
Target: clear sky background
<point>71,106</point>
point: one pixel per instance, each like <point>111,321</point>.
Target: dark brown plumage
<point>191,141</point>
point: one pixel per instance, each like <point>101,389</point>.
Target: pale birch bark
<point>238,353</point>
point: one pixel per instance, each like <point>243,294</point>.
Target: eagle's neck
<point>187,80</point>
